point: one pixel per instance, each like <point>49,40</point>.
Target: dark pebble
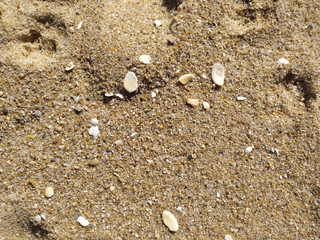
<point>190,157</point>
<point>5,111</point>
<point>52,159</point>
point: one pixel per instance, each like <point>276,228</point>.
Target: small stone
<point>5,111</point>
<point>130,82</point>
<point>283,61</point>
<point>118,142</point>
<point>69,66</point>
<point>158,23</point>
<point>193,102</point>
<point>241,98</point>
<point>146,59</point>
<point>79,25</point>
<point>185,78</point>
<point>206,105</point>
<point>249,149</point>
<point>93,162</point>
<point>94,131</point>
<point>170,221</point>
<point>190,157</point>
<point>83,222</point>
<point>52,159</point>
<point>94,121</point>
<point>37,219</point>
<point>37,113</point>
<point>227,237</point>
<point>112,188</point>
<point>49,192</point>
<point>171,40</point>
<point>218,72</point>
<point>43,216</point>
<point>153,94</point>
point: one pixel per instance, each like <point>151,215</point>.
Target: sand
<point>189,161</point>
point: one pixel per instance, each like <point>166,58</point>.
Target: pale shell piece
<point>93,162</point>
<point>109,94</point>
<point>37,219</point>
<point>69,66</point>
<point>170,221</point>
<point>119,95</point>
<point>130,82</point>
<point>185,78</point>
<point>112,188</point>
<point>153,94</point>
<point>206,105</point>
<point>158,23</point>
<point>228,237</point>
<point>146,59</point>
<point>118,142</point>
<point>249,149</point>
<point>49,192</point>
<point>94,131</point>
<point>241,98</point>
<point>94,121</point>
<point>79,25</point>
<point>83,222</point>
<point>193,102</point>
<point>283,61</point>
<point>218,72</point>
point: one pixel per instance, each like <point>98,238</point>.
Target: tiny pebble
<point>218,194</point>
<point>171,40</point>
<point>52,159</point>
<point>79,25</point>
<point>5,111</point>
<point>185,78</point>
<point>283,61</point>
<point>94,121</point>
<point>37,219</point>
<point>37,113</point>
<point>193,102</point>
<point>93,162</point>
<point>118,142</point>
<point>241,98</point>
<point>94,131</point>
<point>158,23</point>
<point>69,66</point>
<point>49,192</point>
<point>248,149</point>
<point>153,94</point>
<point>190,157</point>
<point>227,237</point>
<point>218,73</point>
<point>146,59</point>
<point>206,105</point>
<point>43,216</point>
<point>170,221</point>
<point>130,82</point>
<point>112,188</point>
<point>83,222</point>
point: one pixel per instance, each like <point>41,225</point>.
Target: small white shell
<point>69,66</point>
<point>146,59</point>
<point>94,131</point>
<point>94,121</point>
<point>228,237</point>
<point>130,82</point>
<point>206,105</point>
<point>83,222</point>
<point>193,102</point>
<point>158,23</point>
<point>218,72</point>
<point>109,94</point>
<point>185,78</point>
<point>79,25</point>
<point>49,192</point>
<point>249,149</point>
<point>241,98</point>
<point>170,221</point>
<point>283,61</point>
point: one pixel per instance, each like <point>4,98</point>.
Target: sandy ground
<point>189,161</point>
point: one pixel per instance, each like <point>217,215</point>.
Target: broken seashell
<point>218,72</point>
<point>185,78</point>
<point>193,102</point>
<point>69,66</point>
<point>130,82</point>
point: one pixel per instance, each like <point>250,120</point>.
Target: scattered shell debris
<point>206,105</point>
<point>193,102</point>
<point>94,131</point>
<point>241,98</point>
<point>69,66</point>
<point>83,222</point>
<point>218,73</point>
<point>249,149</point>
<point>185,78</point>
<point>130,82</point>
<point>170,221</point>
<point>158,23</point>
<point>283,61</point>
<point>146,59</point>
<point>49,192</point>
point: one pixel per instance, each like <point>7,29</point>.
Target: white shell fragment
<point>69,66</point>
<point>94,131</point>
<point>146,59</point>
<point>37,219</point>
<point>206,105</point>
<point>130,82</point>
<point>283,61</point>
<point>185,78</point>
<point>79,25</point>
<point>158,23</point>
<point>228,237</point>
<point>170,221</point>
<point>83,222</point>
<point>249,149</point>
<point>119,95</point>
<point>193,102</point>
<point>49,192</point>
<point>153,94</point>
<point>218,72</point>
<point>118,142</point>
<point>94,121</point>
<point>109,94</point>
<point>241,98</point>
